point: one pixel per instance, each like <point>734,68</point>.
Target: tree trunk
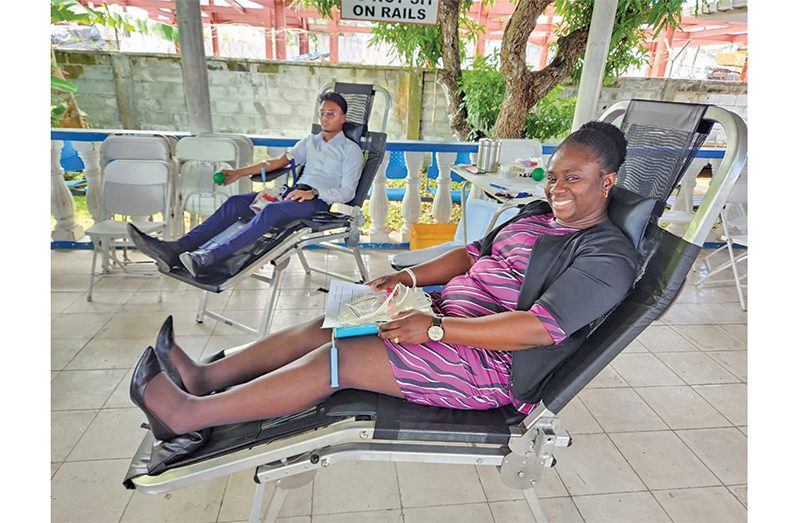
<point>525,88</point>
<point>451,73</point>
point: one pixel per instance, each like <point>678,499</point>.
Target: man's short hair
<point>335,98</point>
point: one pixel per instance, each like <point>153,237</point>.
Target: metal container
<point>488,155</point>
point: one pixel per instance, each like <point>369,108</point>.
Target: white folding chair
<point>130,189</point>
<point>734,224</point>
<point>200,157</point>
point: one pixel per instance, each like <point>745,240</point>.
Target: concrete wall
<point>145,91</point>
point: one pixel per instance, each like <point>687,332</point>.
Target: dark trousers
<point>236,207</point>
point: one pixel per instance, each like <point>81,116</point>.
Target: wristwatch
<point>314,191</point>
<point>435,331</point>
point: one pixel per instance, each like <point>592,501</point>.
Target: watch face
<point>435,333</point>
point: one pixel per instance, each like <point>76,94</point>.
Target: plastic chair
<point>734,224</point>
<point>199,158</point>
<point>130,188</point>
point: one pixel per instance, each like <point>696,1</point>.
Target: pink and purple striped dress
<point>464,377</point>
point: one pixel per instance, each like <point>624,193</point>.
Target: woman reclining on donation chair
<point>514,305</point>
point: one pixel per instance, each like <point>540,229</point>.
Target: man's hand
<point>230,175</point>
<point>300,196</point>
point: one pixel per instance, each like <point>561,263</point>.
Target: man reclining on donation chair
<point>333,164</point>
<point>515,304</point>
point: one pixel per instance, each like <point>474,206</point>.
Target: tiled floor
<point>659,435</point>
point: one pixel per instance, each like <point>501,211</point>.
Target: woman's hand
<point>389,281</point>
<point>407,327</point>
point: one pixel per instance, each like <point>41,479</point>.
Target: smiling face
<point>331,116</point>
<point>575,186</point>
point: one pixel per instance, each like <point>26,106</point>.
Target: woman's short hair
<point>604,139</point>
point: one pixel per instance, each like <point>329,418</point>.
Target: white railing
<point>86,143</point>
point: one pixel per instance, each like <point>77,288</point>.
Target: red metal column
<point>279,26</point>
<point>214,34</point>
<point>661,59</point>
<point>268,29</point>
<point>304,44</point>
<point>544,53</point>
<point>744,72</point>
<point>483,21</point>
<point>336,15</point>
<point>652,53</point>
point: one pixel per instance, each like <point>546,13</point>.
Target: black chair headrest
<point>354,131</point>
<point>631,213</point>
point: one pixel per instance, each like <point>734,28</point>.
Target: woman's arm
<point>511,330</point>
<point>437,271</point>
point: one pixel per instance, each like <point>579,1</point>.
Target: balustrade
<point>412,152</point>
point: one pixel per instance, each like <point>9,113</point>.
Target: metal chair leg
<point>203,306</point>
<point>534,505</point>
<point>277,277</point>
<point>303,260</point>
<point>257,503</point>
<point>737,282</point>
<point>160,288</point>
<point>364,273</point>
<point>93,274</point>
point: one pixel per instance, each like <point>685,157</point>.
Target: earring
<point>606,193</point>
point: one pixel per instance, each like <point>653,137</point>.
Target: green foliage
<point>627,44</point>
<point>61,85</point>
<point>483,89</point>
<point>418,45</point>
<point>551,118</point>
<point>74,11</point>
<point>483,86</point>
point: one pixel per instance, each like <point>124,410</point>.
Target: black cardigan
<point>579,278</point>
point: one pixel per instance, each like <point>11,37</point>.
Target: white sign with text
<point>398,11</point>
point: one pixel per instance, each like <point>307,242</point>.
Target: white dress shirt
<point>333,168</point>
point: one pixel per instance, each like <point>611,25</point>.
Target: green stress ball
<point>218,178</point>
<point>538,173</point>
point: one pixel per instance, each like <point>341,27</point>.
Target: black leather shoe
<point>146,369</point>
<point>160,251</point>
<point>196,262</point>
<point>163,351</point>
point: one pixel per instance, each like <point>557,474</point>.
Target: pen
<point>500,187</point>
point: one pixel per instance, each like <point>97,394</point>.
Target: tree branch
<point>516,35</point>
<point>452,72</point>
<point>569,49</point>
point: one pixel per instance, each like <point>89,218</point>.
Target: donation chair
<point>276,247</point>
<point>356,425</point>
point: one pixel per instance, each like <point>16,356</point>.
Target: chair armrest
<point>271,175</point>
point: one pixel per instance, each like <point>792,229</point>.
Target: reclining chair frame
<point>304,232</point>
<point>521,446</point>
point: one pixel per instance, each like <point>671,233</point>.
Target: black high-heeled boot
<point>146,369</point>
<point>163,351</point>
